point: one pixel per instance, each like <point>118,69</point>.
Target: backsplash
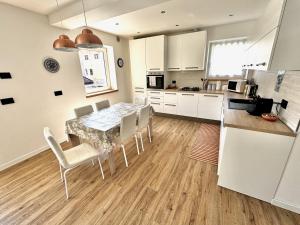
<point>289,90</point>
<point>187,78</point>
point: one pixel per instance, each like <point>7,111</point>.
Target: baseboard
<point>287,206</point>
<point>26,156</point>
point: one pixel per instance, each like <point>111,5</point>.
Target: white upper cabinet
<point>187,51</point>
<point>156,53</point>
<point>193,50</point>
<point>174,53</point>
<point>138,64</point>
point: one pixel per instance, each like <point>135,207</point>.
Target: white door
<point>138,63</point>
<point>174,53</point>
<point>193,50</point>
<point>155,53</point>
<point>210,106</point>
<point>187,104</point>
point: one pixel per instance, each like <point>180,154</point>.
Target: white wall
<point>26,39</point>
<point>234,30</point>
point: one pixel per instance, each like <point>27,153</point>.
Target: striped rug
<point>206,145</point>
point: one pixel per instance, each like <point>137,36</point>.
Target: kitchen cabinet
<point>170,103</point>
<point>193,50</point>
<point>174,53</point>
<point>187,51</point>
<point>156,100</point>
<point>137,49</point>
<point>187,104</point>
<point>210,106</point>
<point>156,53</point>
<point>252,162</point>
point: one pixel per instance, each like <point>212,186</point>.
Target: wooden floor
<point>161,186</point>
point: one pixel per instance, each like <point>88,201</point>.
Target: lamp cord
<point>84,12</point>
<point>61,23</point>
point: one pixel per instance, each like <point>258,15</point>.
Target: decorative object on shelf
<point>63,43</point>
<point>120,62</point>
<point>6,101</point>
<point>87,39</point>
<point>5,75</point>
<point>269,117</point>
<point>51,65</point>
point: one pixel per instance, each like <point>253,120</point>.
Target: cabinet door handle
<point>170,104</point>
<point>139,92</point>
<point>188,94</point>
<point>173,68</point>
<point>154,69</point>
<point>154,98</point>
<point>261,64</point>
<point>170,93</point>
<point>154,92</point>
<point>139,88</point>
<point>154,103</point>
<point>192,67</point>
<point>212,96</point>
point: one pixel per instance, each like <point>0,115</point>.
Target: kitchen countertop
<point>199,92</point>
<point>243,120</point>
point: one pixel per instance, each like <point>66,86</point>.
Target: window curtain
<point>226,58</point>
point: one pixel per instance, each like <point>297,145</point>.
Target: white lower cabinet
<point>170,108</point>
<point>157,106</point>
<point>187,104</point>
<point>210,106</point>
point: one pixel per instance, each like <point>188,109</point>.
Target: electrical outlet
<point>284,103</point>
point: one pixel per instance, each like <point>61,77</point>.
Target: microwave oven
<point>155,81</point>
<point>236,85</point>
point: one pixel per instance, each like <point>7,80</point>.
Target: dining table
<point>101,128</point>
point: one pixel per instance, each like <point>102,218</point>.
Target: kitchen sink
<point>241,104</point>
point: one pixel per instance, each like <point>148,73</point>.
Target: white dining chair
<point>71,158</point>
<point>144,122</point>
<point>128,130</point>
<point>140,100</point>
<point>102,104</point>
<point>84,110</point>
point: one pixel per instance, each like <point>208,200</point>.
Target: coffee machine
<point>250,90</point>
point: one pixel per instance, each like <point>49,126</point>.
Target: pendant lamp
<point>87,39</point>
<point>63,43</point>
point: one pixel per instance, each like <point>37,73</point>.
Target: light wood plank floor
<point>161,186</point>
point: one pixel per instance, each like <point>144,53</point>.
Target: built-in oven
<point>155,80</point>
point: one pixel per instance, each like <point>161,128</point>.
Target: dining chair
<point>84,110</point>
<point>71,158</point>
<point>144,122</point>
<point>140,100</point>
<point>102,104</point>
<point>127,130</point>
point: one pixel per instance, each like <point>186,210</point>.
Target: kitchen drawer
<point>155,93</point>
<point>170,108</point>
<point>210,106</point>
<point>187,104</point>
<point>170,97</point>
<point>157,106</point>
<point>156,98</point>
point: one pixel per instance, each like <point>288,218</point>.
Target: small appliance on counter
<point>172,85</point>
<point>262,105</point>
<point>250,90</point>
<point>236,85</point>
<point>155,80</point>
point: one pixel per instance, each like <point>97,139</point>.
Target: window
<point>226,58</point>
<point>98,70</point>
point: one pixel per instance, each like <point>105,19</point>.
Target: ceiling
<point>142,17</point>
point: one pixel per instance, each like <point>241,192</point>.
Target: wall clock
<point>51,65</point>
<point>120,62</point>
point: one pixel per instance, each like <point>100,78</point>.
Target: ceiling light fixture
<point>87,39</point>
<point>63,43</point>
<point>163,12</point>
<point>177,25</point>
<point>230,15</point>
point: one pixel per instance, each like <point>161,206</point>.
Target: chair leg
<point>66,184</point>
<point>61,173</point>
<point>101,169</point>
<point>149,133</point>
<point>124,154</point>
<point>93,162</point>
<point>141,138</point>
<point>137,144</point>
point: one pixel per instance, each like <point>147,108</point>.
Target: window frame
<point>222,77</point>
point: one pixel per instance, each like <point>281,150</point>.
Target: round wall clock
<point>51,65</point>
<point>120,62</point>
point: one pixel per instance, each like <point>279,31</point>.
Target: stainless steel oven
<point>155,80</point>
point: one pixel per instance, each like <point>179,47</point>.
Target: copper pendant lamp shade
<point>88,40</point>
<point>63,43</point>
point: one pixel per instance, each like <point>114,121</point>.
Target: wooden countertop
<point>199,92</point>
<point>243,120</point>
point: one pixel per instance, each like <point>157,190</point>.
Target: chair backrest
<point>144,117</point>
<point>140,100</point>
<point>102,105</point>
<point>128,126</point>
<point>84,110</point>
<point>55,147</point>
